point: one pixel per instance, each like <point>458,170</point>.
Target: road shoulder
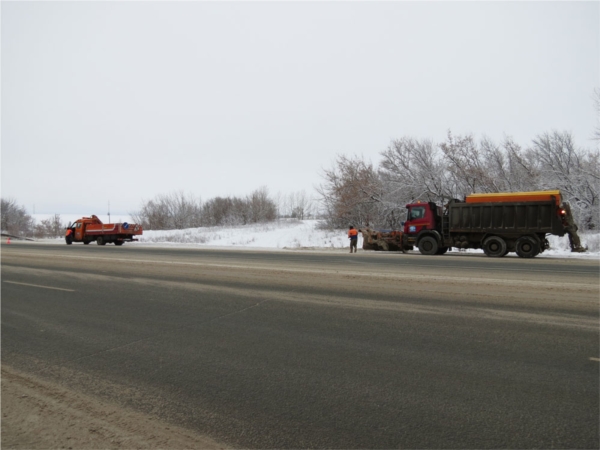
<point>37,414</point>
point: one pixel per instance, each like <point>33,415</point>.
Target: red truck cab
<point>420,216</point>
<point>423,228</point>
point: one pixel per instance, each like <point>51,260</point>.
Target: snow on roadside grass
<point>282,234</point>
<point>296,234</point>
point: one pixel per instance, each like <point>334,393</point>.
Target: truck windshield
<point>417,212</point>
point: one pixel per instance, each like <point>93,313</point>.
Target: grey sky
<point>122,101</point>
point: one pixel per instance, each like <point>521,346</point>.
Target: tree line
<point>16,222</point>
<point>354,191</point>
<point>178,210</point>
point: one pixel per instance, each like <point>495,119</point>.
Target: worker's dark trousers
<point>353,243</point>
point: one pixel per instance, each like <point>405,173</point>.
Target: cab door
<point>78,231</point>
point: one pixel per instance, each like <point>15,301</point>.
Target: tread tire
<point>494,247</point>
<point>527,247</point>
<point>428,246</point>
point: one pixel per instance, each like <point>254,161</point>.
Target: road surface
<point>297,349</point>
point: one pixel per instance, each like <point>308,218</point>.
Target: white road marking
<point>595,359</point>
<point>39,286</point>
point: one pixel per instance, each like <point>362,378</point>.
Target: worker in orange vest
<point>353,236</point>
<point>69,236</point>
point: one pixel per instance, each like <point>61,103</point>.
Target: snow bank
<point>282,234</point>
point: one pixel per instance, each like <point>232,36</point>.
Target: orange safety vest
<point>353,234</point>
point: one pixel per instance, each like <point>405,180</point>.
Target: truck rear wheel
<point>494,246</point>
<point>428,246</point>
<point>527,247</point>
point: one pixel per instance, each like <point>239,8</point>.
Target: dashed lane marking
<point>39,286</point>
<point>595,359</point>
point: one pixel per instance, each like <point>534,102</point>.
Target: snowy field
<point>295,235</point>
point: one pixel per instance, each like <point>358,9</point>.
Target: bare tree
<point>261,207</point>
<point>596,98</point>
<point>298,205</point>
<point>170,211</point>
<point>50,228</point>
<point>352,193</point>
<point>15,219</point>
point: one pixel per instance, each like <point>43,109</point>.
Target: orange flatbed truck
<point>90,229</point>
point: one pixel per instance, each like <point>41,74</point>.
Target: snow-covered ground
<point>290,234</point>
<point>297,234</point>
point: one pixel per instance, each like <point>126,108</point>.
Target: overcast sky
<point>121,101</point>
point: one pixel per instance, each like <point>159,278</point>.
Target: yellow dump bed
<point>502,197</point>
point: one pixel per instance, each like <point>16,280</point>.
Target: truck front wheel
<point>527,247</point>
<point>494,246</point>
<point>428,246</point>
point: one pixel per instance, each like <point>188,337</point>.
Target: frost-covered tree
<point>573,170</point>
<point>412,170</point>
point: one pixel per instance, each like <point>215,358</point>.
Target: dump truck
<point>90,229</point>
<point>498,223</point>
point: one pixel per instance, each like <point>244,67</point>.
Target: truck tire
<point>494,247</point>
<point>527,247</point>
<point>100,241</point>
<point>68,240</point>
<point>118,242</point>
<point>86,242</point>
<point>428,246</point>
<point>443,250</point>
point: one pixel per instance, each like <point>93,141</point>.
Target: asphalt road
<point>316,349</point>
